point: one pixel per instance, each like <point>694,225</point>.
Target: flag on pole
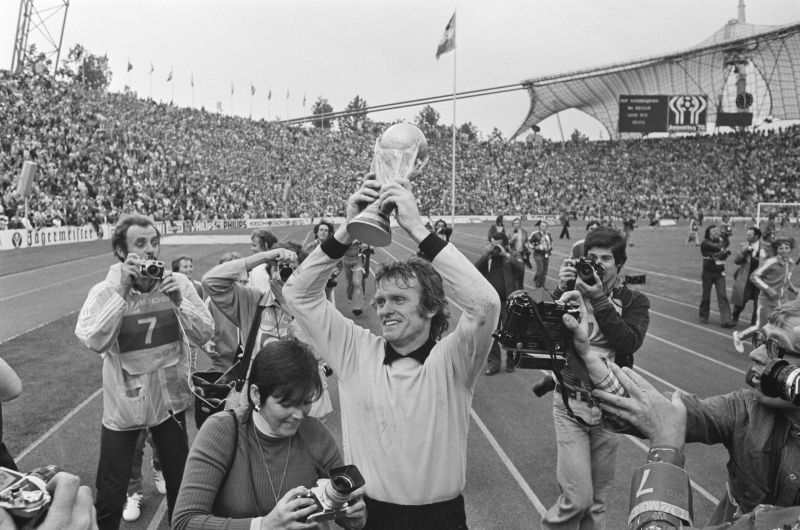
<point>304,101</point>
<point>130,66</point>
<point>151,69</point>
<point>287,94</point>
<point>448,42</point>
<point>191,79</point>
<point>252,90</point>
<point>231,88</point>
<point>269,95</point>
<point>169,77</point>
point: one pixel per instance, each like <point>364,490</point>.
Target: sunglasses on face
<point>773,346</point>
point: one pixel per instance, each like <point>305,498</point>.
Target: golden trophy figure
<point>399,150</point>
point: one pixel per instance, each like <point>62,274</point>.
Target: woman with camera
<point>252,467</point>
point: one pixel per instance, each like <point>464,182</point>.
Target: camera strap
<point>550,346</point>
<point>242,365</point>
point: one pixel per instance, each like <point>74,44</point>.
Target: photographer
<point>141,320</point>
<point>504,271</point>
<point>619,318</point>
<point>760,432</point>
<point>405,395</point>
<point>542,244</point>
<point>715,252</point>
<point>242,304</point>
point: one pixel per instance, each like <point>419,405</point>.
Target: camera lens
<point>152,270</point>
<point>782,380</point>
<point>285,272</point>
<point>342,483</point>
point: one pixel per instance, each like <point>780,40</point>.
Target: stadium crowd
<point>103,154</point>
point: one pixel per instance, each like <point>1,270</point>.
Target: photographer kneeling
<point>759,425</point>
<point>620,318</point>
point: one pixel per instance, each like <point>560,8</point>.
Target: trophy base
<point>371,227</point>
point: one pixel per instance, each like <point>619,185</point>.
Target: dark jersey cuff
<point>333,248</point>
<point>431,246</point>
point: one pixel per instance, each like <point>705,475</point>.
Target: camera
<point>496,251</point>
<point>151,268</point>
<point>284,271</point>
<point>722,254</point>
<point>533,329</point>
<point>585,269</point>
<point>25,496</point>
<point>332,495</point>
<point>781,380</point>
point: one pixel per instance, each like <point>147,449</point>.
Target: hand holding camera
<point>291,509</point>
<point>590,274</point>
<point>46,499</point>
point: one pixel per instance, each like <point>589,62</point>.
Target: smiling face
<point>283,418</point>
<point>186,267</point>
<point>404,322</point>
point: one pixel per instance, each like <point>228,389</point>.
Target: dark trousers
<point>717,280</point>
<point>116,462</point>
<point>542,262</point>
<point>750,293</point>
<point>564,232</point>
<point>445,515</point>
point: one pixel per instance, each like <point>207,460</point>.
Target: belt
<point>579,395</point>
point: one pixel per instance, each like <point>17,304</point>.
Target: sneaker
<point>161,484</point>
<point>737,342</point>
<point>133,508</point>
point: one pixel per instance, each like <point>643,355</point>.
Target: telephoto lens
<point>781,380</point>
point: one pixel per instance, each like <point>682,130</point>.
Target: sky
<point>383,51</point>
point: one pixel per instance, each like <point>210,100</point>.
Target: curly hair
<point>432,297</point>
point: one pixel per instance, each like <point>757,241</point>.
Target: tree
<point>468,131</point>
<point>82,67</point>
<point>357,120</point>
<point>578,137</point>
<point>427,119</point>
<point>320,108</point>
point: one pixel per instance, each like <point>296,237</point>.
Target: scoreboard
<point>658,113</point>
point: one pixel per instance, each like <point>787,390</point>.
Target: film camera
<point>779,379</point>
<point>25,496</point>
<point>533,330</point>
<point>284,271</point>
<point>151,268</point>
<point>585,269</point>
<point>332,495</point>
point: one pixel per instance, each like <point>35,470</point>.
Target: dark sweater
<point>210,500</point>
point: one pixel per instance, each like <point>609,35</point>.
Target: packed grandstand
<point>101,154</point>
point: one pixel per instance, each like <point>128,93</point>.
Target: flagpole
<point>453,179</point>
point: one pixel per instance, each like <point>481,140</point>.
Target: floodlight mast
<point>36,17</point>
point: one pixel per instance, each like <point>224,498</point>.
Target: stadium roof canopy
<point>772,51</point>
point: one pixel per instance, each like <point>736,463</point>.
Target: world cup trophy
<point>399,150</point>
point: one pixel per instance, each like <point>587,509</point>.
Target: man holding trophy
<point>406,394</point>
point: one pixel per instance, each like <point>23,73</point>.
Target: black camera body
<point>496,251</point>
<point>722,254</point>
<point>284,271</point>
<point>25,496</point>
<point>332,496</point>
<point>533,329</point>
<point>586,268</point>
<point>151,268</point>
